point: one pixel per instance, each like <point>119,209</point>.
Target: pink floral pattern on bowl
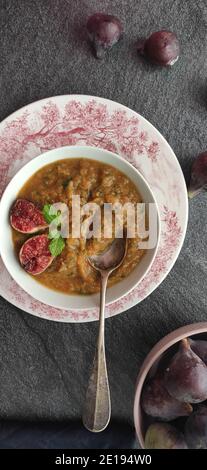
<point>85,120</point>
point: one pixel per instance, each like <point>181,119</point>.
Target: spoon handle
<point>97,410</point>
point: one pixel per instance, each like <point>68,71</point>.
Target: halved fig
<point>25,217</point>
<point>35,256</point>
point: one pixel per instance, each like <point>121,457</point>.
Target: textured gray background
<point>43,365</point>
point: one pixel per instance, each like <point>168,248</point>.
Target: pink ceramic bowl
<point>150,364</point>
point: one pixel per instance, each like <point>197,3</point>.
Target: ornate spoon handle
<point>97,409</point>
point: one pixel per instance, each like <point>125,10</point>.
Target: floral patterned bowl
<point>29,284</point>
<point>87,120</point>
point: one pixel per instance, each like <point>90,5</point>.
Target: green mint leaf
<point>48,213</point>
<point>56,246</point>
<point>53,234</point>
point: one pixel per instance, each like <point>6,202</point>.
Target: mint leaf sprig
<point>56,246</point>
<point>50,213</point>
<point>57,243</point>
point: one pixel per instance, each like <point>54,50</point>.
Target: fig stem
<point>185,343</point>
<point>99,51</point>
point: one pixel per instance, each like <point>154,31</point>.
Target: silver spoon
<point>97,409</point>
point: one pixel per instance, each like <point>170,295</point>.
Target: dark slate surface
<point>64,435</point>
<point>43,365</point>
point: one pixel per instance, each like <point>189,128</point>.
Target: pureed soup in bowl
<point>99,178</point>
<point>97,183</point>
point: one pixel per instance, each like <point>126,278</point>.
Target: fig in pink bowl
<point>200,348</point>
<point>161,48</point>
<point>158,403</point>
<point>164,436</point>
<point>186,375</point>
<point>196,429</point>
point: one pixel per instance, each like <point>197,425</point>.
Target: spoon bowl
<point>112,257</point>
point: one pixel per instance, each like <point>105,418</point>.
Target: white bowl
<point>29,284</point>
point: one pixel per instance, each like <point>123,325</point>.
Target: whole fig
<point>196,429</point>
<point>104,31</point>
<point>164,436</point>
<point>198,181</point>
<point>157,402</point>
<point>186,375</point>
<point>200,348</point>
<point>161,48</point>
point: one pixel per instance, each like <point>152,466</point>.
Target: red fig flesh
<point>25,217</point>
<point>198,181</point>
<point>35,256</point>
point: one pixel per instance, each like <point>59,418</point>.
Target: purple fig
<point>198,181</point>
<point>161,48</point>
<point>157,402</point>
<point>164,436</point>
<point>200,348</point>
<point>104,31</point>
<point>196,429</point>
<point>186,375</point>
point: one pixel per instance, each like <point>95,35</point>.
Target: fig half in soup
<point>35,256</point>
<point>25,217</point>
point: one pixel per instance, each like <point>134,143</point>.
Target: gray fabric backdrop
<point>43,365</point>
